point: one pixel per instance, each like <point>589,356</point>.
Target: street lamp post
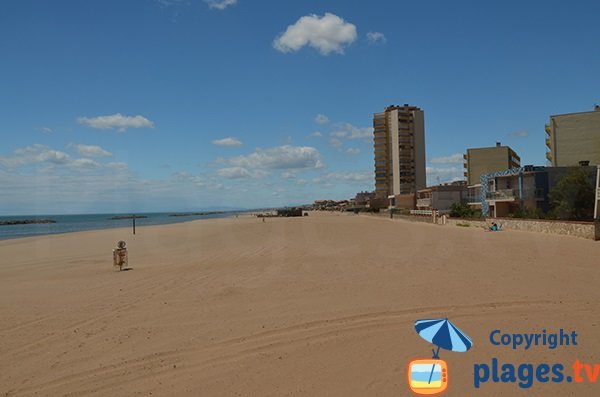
<point>597,192</point>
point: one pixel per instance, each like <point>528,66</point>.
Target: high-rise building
<point>479,161</point>
<point>399,143</point>
<point>573,138</point>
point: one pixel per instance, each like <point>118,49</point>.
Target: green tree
<point>572,198</point>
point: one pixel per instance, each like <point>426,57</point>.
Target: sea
<point>78,223</point>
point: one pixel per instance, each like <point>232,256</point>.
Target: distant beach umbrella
<point>442,333</point>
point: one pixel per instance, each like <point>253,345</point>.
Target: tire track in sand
<point>159,364</point>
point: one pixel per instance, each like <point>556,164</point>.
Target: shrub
<point>529,213</point>
<point>462,210</point>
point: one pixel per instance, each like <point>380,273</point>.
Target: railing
<point>502,194</point>
<point>513,194</point>
<point>424,202</point>
<point>424,212</point>
<point>474,199</point>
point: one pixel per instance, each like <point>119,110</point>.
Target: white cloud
<point>220,4</point>
<point>116,121</point>
<point>33,154</point>
<point>90,150</point>
<point>352,151</point>
<point>234,172</point>
<point>336,143</point>
<point>316,134</point>
<point>54,156</point>
<point>241,173</point>
<point>184,176</point>
<point>519,134</point>
<point>442,175</point>
<point>281,157</point>
<point>80,186</point>
<point>116,165</point>
<point>349,176</point>
<point>376,38</point>
<point>321,119</point>
<point>168,3</point>
<point>452,159</point>
<point>42,157</point>
<point>348,131</point>
<point>229,141</point>
<point>87,164</point>
<point>47,130</point>
<point>328,33</point>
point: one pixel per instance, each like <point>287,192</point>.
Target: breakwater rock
<point>25,222</point>
<point>198,213</point>
<point>128,217</point>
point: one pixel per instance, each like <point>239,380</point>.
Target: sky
<point>175,105</point>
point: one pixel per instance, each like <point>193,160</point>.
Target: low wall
<point>589,230</point>
<point>579,229</point>
<point>411,218</point>
<point>465,222</point>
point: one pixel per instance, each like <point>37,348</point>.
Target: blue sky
<point>150,105</point>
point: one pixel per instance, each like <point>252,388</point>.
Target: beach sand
<point>322,305</point>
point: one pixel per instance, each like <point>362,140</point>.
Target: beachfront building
<point>399,148</point>
<point>362,199</point>
<point>503,193</point>
<point>481,161</point>
<point>573,138</point>
<point>441,197</point>
<point>330,205</point>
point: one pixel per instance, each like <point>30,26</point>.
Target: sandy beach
<point>322,305</point>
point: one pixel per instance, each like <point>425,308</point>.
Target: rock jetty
<point>128,217</point>
<point>25,222</point>
<point>198,213</point>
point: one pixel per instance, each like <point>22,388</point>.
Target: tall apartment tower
<point>399,143</point>
<point>573,138</point>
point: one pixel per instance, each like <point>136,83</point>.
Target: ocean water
<point>77,223</point>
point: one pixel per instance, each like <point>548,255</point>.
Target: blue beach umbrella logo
<point>443,334</point>
<point>430,376</point>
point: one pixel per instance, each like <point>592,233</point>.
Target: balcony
<point>549,142</point>
<point>472,199</point>
<point>502,195</point>
<point>548,129</point>
<point>549,156</point>
<point>513,194</point>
